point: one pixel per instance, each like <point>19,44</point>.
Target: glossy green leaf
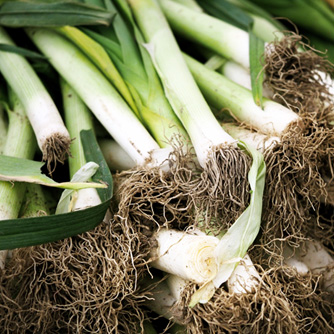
<point>21,51</point>
<point>100,58</point>
<point>25,232</point>
<point>227,12</point>
<point>51,14</point>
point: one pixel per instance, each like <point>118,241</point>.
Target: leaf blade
<point>44,14</point>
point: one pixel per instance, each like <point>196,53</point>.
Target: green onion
<point>52,136</point>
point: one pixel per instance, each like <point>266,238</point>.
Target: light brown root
<point>293,75</point>
<point>55,150</point>
<point>222,192</point>
<point>150,197</point>
<point>294,187</point>
<point>312,305</point>
<point>264,310</point>
<point>84,284</point>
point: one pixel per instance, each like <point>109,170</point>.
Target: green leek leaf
<point>52,14</point>
<point>227,12</point>
<point>15,233</point>
<point>15,169</point>
<point>256,52</point>
<point>21,51</point>
<point>100,58</point>
<point>314,16</point>
<point>82,175</point>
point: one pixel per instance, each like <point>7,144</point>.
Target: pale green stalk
<point>52,136</point>
<point>217,35</point>
<point>191,4</point>
<point>180,87</point>
<point>3,129</point>
<point>35,203</point>
<point>97,93</point>
<point>20,143</point>
<point>116,158</point>
<point>78,118</point>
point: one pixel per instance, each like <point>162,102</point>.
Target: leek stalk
<point>20,142</point>
<point>52,137</point>
<point>187,255</point>
<point>116,158</point>
<point>77,118</point>
<point>216,35</point>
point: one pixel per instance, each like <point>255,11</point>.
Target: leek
<point>320,17</point>
<point>52,136</point>
<point>35,203</point>
<point>188,255</point>
<point>218,36</point>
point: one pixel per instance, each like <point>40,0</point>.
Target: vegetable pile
<point>166,166</point>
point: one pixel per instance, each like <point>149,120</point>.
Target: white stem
<point>318,259</point>
<point>258,140</point>
<point>86,198</point>
<point>163,302</point>
<point>97,93</point>
<point>40,108</point>
<point>292,260</point>
<point>116,158</point>
<point>240,75</point>
<point>176,286</point>
<point>245,278</point>
<point>186,255</point>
